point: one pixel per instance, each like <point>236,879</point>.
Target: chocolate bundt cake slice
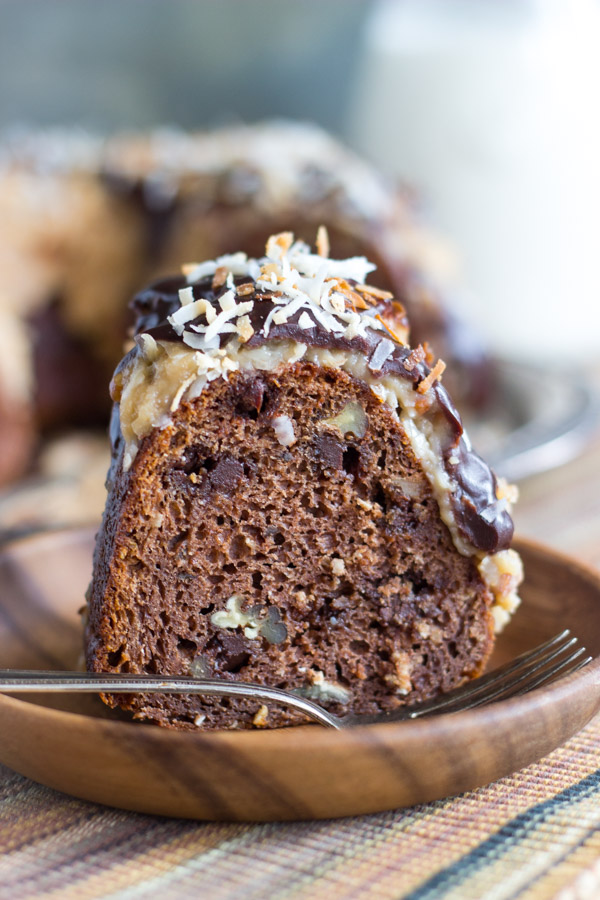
<point>292,499</point>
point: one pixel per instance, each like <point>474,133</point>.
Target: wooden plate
<point>76,745</point>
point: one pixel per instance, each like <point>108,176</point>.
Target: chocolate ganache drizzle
<point>481,517</point>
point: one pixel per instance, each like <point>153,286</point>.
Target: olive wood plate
<point>75,744</point>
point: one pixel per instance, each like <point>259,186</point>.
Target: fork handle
<point>25,681</point>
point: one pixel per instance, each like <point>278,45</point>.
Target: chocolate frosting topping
<point>481,517</point>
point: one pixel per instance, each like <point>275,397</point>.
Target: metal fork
<point>556,657</point>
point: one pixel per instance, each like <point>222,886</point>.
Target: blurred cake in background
<point>211,193</point>
<point>69,252</point>
<point>16,422</point>
<point>85,221</point>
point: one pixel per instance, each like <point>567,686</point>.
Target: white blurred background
<point>493,108</point>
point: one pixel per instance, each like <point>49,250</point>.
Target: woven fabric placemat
<point>533,835</point>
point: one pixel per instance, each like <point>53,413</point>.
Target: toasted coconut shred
<point>159,375</point>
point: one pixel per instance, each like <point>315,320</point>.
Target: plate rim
<point>563,441</point>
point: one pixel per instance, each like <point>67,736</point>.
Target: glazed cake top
<point>275,163</point>
<point>230,313</point>
<point>250,299</point>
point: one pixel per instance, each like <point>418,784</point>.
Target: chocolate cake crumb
<point>350,591</point>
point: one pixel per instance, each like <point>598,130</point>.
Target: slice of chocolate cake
<point>292,499</point>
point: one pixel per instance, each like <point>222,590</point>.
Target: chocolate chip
<point>226,475</point>
<point>250,397</point>
<point>330,450</point>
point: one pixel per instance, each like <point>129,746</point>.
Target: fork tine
<point>464,697</point>
<point>570,664</point>
<point>524,685</point>
<point>583,663</point>
<point>508,683</point>
<point>537,655</point>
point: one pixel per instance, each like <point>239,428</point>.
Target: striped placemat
<point>534,835</point>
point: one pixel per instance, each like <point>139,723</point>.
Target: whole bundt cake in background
<point>84,222</point>
<point>292,499</point>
